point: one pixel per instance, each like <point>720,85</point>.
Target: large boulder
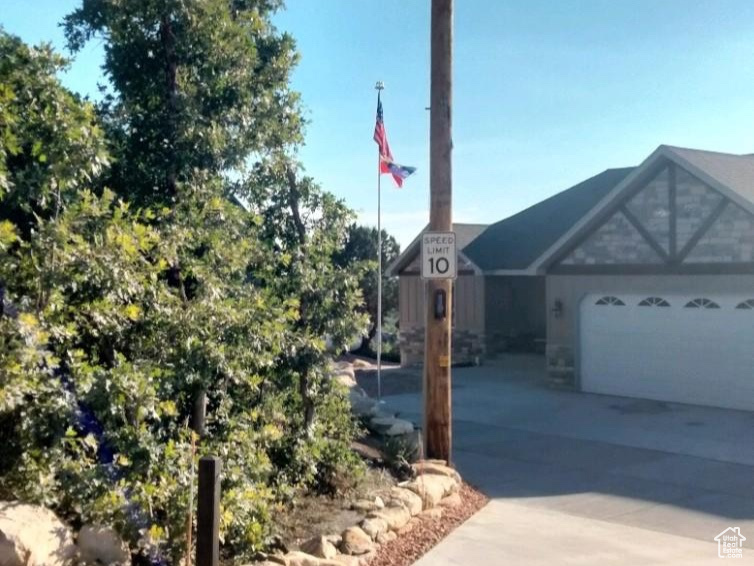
<point>355,541</point>
<point>432,488</point>
<point>391,426</point>
<point>374,526</point>
<point>361,404</point>
<point>408,499</point>
<point>102,545</point>
<point>433,467</point>
<point>319,547</point>
<point>33,536</point>
<point>296,558</point>
<point>395,516</point>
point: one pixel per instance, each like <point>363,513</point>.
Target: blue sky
<point>547,92</point>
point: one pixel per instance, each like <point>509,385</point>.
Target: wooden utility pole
<point>437,404</point>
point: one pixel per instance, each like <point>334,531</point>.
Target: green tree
<point>360,253</point>
<point>199,85</point>
<point>147,284</point>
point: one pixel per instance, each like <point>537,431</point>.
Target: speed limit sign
<point>439,255</point>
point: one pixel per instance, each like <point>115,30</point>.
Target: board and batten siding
<point>468,324</point>
<point>468,293</point>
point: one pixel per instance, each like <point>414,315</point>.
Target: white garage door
<point>687,349</point>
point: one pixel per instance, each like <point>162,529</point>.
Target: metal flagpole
<point>379,87</point>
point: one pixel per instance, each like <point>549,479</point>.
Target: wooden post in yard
<point>208,514</point>
<point>437,347</point>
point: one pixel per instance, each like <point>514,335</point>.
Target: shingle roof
<point>515,242</point>
<point>734,171</point>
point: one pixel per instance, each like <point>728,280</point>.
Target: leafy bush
<point>123,306</point>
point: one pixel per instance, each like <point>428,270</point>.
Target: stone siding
<point>617,241</point>
<point>561,365</point>
<point>468,346</point>
<point>694,203</point>
<point>651,207</point>
<point>730,239</point>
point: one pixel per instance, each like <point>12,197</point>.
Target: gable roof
<point>515,242</point>
<point>525,242</point>
<point>465,234</point>
<point>734,171</point>
<point>731,175</point>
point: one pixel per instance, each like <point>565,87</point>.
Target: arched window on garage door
<point>749,304</point>
<point>702,303</point>
<point>614,301</point>
<point>654,302</point>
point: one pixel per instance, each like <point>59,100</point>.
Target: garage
<point>696,349</point>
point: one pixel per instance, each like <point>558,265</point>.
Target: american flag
<point>387,165</point>
<point>380,136</point>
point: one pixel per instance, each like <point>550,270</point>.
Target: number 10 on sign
<point>439,255</point>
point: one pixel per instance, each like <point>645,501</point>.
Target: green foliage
<point>358,254</point>
<point>135,299</point>
<point>199,85</point>
<point>50,144</point>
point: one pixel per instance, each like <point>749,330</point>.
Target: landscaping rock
<point>33,536</point>
<point>355,541</point>
<point>277,559</point>
<point>408,527</point>
<point>346,560</point>
<point>99,544</point>
<point>408,498</point>
<point>374,526</point>
<point>452,500</point>
<point>368,452</point>
<point>394,516</point>
<point>427,467</point>
<point>333,540</point>
<point>297,558</point>
<point>391,426</point>
<point>365,559</point>
<point>431,514</point>
<point>432,488</point>
<point>414,444</point>
<point>319,547</point>
<point>365,505</point>
<point>343,373</point>
<point>386,537</point>
<point>362,405</point>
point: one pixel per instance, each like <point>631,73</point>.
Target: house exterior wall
<point>515,311</point>
<point>569,290</point>
<point>673,234</point>
<point>468,340</point>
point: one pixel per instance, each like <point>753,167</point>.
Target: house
<point>639,281</point>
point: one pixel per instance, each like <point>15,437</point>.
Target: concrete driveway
<point>590,479</point>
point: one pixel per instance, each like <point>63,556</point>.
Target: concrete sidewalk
<point>510,534</point>
<point>591,479</point>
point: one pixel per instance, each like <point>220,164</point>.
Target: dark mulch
<point>411,546</point>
